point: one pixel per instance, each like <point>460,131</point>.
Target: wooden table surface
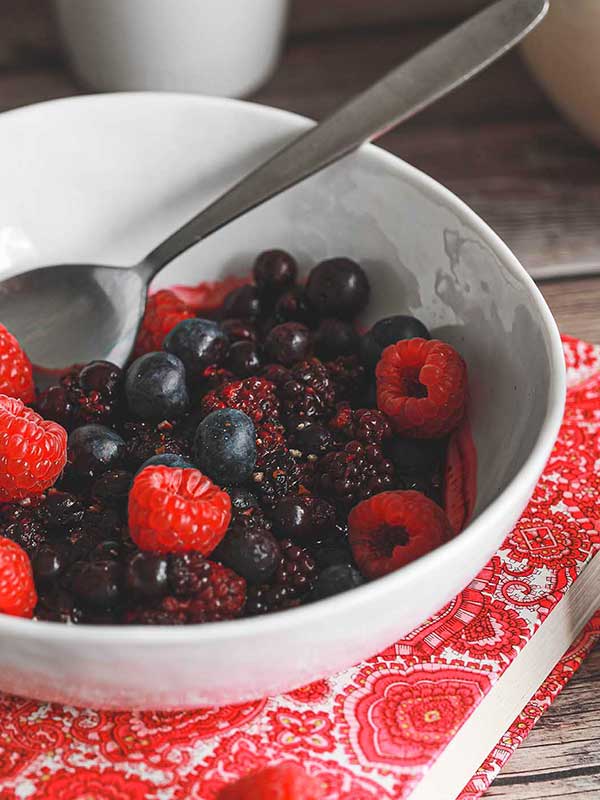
<point>500,146</point>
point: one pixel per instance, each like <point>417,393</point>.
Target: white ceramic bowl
<point>103,179</point>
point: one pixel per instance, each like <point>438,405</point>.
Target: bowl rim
<point>501,506</point>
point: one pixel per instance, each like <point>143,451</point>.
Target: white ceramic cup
<point>215,47</point>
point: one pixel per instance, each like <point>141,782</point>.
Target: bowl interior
<point>104,179</point>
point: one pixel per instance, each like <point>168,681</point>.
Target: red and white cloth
<point>371,732</point>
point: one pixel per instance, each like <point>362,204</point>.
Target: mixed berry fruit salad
<point>259,452</point>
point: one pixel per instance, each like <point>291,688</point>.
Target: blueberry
<point>155,387</point>
<point>335,579</point>
<point>241,498</point>
<point>242,302</point>
<point>253,554</point>
<point>338,287</point>
<point>243,359</point>
<point>288,343</point>
<point>166,460</point>
<point>275,271</point>
<point>414,456</point>
<point>96,584</point>
<point>389,331</point>
<point>146,575</point>
<point>225,446</point>
<point>334,338</point>
<point>94,449</point>
<point>303,518</point>
<point>198,343</point>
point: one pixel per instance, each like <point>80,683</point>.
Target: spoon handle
<point>402,93</point>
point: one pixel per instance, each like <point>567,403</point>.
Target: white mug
<point>217,47</point>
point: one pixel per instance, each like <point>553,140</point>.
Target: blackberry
<point>276,373</point>
<point>348,378</point>
<point>154,616</point>
<point>354,473</point>
<point>63,510</point>
<point>254,396</point>
<point>310,392</point>
<point>297,570</point>
<point>144,440</point>
<point>215,377</point>
<point>366,425</point>
<point>279,475</point>
<point>241,499</point>
<point>25,525</point>
<point>270,436</point>
<point>188,574</point>
<point>221,597</point>
<point>267,598</point>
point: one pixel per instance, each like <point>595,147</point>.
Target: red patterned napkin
<point>371,732</point>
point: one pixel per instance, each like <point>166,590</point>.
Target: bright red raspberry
<point>164,310</point>
<point>460,477</point>
<point>392,529</point>
<point>16,378</point>
<point>33,451</point>
<point>422,387</point>
<point>221,596</point>
<point>177,510</point>
<point>254,396</point>
<point>282,782</point>
<point>17,590</point>
<point>207,297</point>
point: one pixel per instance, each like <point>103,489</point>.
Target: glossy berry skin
<point>241,302</point>
<point>336,579</point>
<point>422,387</point>
<point>94,449</point>
<point>282,782</point>
<point>103,377</point>
<point>163,311</point>
<point>166,460</point>
<point>155,386</point>
<point>388,331</point>
<point>303,518</point>
<point>239,330</point>
<point>287,343</point>
<point>253,554</point>
<point>97,584</point>
<point>243,359</point>
<point>16,377</point>
<point>47,563</point>
<point>312,437</point>
<point>225,446</point>
<point>338,287</point>
<point>274,272</point>
<point>33,451</point>
<point>17,591</point>
<point>146,575</point>
<point>392,529</point>
<point>177,511</point>
<point>334,338</point>
<point>294,306</point>
<point>197,343</point>
<point>241,498</point>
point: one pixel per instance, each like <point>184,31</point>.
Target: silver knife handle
<point>402,93</point>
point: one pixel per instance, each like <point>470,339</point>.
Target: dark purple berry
<point>96,584</point>
<point>243,359</point>
<point>334,580</point>
<point>63,510</point>
<point>275,271</point>
<point>146,575</point>
<point>56,404</point>
<point>241,302</point>
<point>293,306</point>
<point>241,498</point>
<point>112,487</point>
<point>334,338</point>
<point>108,550</point>
<point>198,343</point>
<point>94,449</point>
<point>167,460</point>
<point>331,551</point>
<point>311,437</point>
<point>239,330</point>
<point>102,377</point>
<point>253,554</point>
<point>288,343</point>
<point>47,563</point>
<point>338,288</point>
<point>386,332</point>
<point>188,574</point>
<point>155,386</point>
<point>302,518</point>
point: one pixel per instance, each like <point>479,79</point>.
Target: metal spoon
<point>74,313</point>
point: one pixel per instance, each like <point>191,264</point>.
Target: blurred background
<point>499,143</point>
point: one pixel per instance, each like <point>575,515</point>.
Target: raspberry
<point>422,387</point>
<point>354,473</point>
<point>17,591</point>
<point>309,392</point>
<point>460,478</point>
<point>177,510</point>
<point>221,596</point>
<point>366,425</point>
<point>16,378</point>
<point>394,528</point>
<point>281,782</point>
<point>348,377</point>
<point>207,297</point>
<point>163,311</point>
<point>33,451</point>
<point>254,396</point>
